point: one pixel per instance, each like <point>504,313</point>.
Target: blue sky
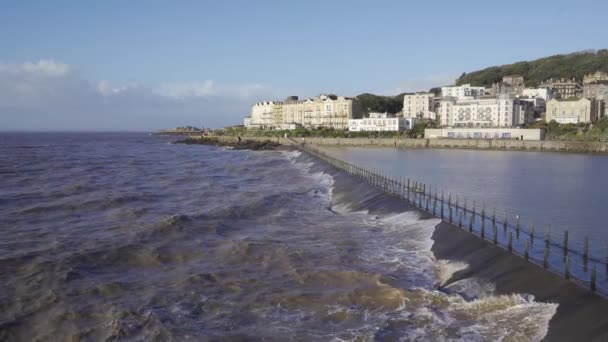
<point>167,63</point>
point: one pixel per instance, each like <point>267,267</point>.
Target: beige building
<point>598,76</point>
<point>327,111</point>
<point>595,86</point>
<point>418,105</point>
<point>513,84</point>
<point>563,88</point>
<point>571,110</point>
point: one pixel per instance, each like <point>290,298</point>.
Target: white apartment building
<point>382,124</point>
<point>544,93</point>
<point>376,115</point>
<point>262,115</point>
<point>463,92</point>
<point>418,105</point>
<point>500,111</point>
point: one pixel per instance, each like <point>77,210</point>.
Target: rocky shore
<point>236,144</point>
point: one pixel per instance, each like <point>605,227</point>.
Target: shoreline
<point>581,147</point>
<point>580,313</point>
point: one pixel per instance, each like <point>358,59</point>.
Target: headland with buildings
<point>506,110</point>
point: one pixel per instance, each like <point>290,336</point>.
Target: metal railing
<point>557,254</point>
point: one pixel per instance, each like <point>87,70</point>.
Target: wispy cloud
<point>53,95</point>
<point>188,89</point>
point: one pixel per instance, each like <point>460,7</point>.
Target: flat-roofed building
<point>463,92</point>
<point>485,133</point>
<point>571,111</point>
<point>492,111</point>
<point>544,93</point>
<point>419,105</point>
<point>381,124</point>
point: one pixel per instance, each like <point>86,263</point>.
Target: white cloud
<point>43,67</point>
<point>50,95</point>
<point>188,89</point>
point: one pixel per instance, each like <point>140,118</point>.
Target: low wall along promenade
<point>480,144</point>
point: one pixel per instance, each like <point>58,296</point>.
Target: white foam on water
<point>445,269</point>
<point>291,155</point>
<point>471,288</point>
<point>400,244</point>
<point>323,182</point>
<point>472,311</point>
<point>325,190</point>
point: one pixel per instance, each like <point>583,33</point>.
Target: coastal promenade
<point>476,144</point>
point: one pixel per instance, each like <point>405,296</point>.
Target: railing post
<point>495,234</point>
<point>566,242</point>
<point>593,278</point>
<point>531,232</point>
<point>510,246</point>
<point>567,271</point>
<point>465,205</point>
<point>504,222</point>
<point>494,216</point>
<point>483,228</point>
<point>450,214</point>
<point>456,201</point>
<point>471,222</point>
<point>527,250</point>
<point>586,253</point>
<point>548,235</point>
<point>517,227</point>
<point>460,219</point>
<point>442,204</point>
<point>546,257</point>
<point>386,181</point>
<point>427,204</point>
<point>473,207</point>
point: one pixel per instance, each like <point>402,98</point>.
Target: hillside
<point>381,104</point>
<point>571,65</point>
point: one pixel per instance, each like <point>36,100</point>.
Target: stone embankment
<point>242,144</point>
<point>480,144</point>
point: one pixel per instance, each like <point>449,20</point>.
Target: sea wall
<point>480,144</point>
<point>580,314</point>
